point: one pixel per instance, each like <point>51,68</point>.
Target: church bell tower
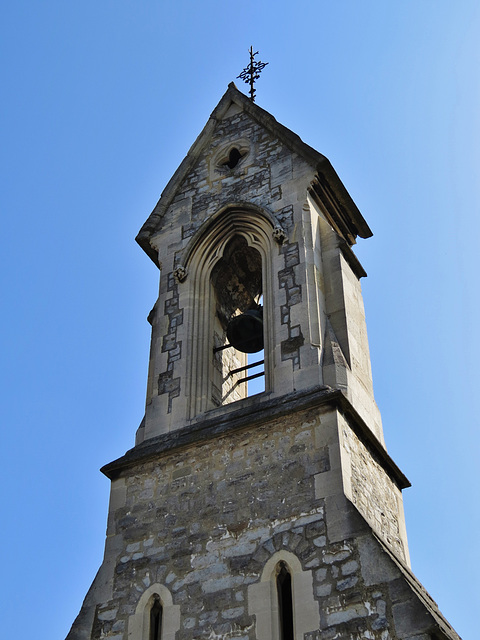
<point>259,501</point>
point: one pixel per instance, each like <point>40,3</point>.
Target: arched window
<point>285,602</point>
<point>156,614</point>
<point>155,617</point>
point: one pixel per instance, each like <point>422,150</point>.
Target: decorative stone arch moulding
<point>184,257</point>
<point>205,250</point>
<point>263,601</point>
<point>139,623</point>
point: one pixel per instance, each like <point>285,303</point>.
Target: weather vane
<point>252,72</point>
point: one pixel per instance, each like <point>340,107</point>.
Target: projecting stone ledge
<point>259,412</point>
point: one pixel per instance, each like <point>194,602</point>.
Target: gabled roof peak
<point>291,140</point>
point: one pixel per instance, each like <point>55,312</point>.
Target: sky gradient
<point>101,102</point>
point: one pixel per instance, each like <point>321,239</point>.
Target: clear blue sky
<point>101,101</point>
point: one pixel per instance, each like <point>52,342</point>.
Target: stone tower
<point>274,515</point>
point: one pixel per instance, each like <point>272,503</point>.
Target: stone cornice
<point>262,411</point>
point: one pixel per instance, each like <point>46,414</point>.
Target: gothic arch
<point>263,601</point>
<point>222,217</point>
<point>202,257</point>
<point>139,622</point>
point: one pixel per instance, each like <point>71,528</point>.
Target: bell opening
<point>238,361</point>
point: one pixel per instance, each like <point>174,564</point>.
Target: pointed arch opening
<point>285,602</point>
<point>230,269</point>
<point>238,322</point>
<point>156,619</point>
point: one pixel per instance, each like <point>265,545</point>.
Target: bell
<point>245,332</point>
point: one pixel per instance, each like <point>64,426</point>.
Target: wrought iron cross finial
<point>252,72</point>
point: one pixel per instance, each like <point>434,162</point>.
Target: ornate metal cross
<point>252,72</point>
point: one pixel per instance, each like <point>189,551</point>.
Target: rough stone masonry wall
<point>258,179</point>
<point>204,521</point>
<point>374,494</point>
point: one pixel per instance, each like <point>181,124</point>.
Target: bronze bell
<point>245,332</point>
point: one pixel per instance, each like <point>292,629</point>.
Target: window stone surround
<point>263,601</point>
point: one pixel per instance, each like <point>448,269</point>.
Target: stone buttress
<point>248,514</point>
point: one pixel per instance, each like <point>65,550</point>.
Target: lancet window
<point>285,602</point>
<point>156,615</point>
